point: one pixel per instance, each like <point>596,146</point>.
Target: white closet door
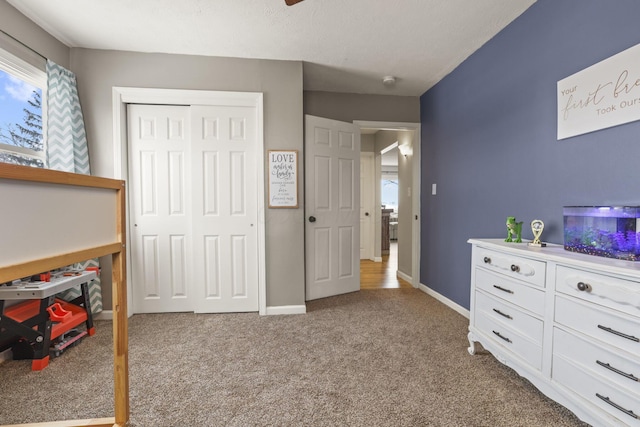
<point>225,228</point>
<point>160,208</point>
<point>193,208</point>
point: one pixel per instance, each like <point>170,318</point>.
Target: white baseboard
<point>404,276</point>
<point>104,315</point>
<point>446,301</point>
<point>378,259</point>
<point>286,309</point>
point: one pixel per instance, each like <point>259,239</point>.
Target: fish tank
<point>606,231</point>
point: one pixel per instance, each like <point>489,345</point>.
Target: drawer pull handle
<point>503,289</point>
<point>515,268</point>
<point>487,260</point>
<point>620,334</point>
<point>618,371</point>
<point>503,337</point>
<point>618,407</point>
<point>584,287</point>
<point>502,314</point>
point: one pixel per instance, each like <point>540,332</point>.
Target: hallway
<point>382,275</point>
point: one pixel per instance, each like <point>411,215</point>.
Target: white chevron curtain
<point>67,147</point>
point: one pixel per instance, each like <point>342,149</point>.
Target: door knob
<point>312,219</point>
<point>366,214</point>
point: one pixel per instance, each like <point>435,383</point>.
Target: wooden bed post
<point>120,335</point>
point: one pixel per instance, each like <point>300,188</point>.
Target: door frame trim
<point>121,96</point>
<point>415,195</point>
<point>371,231</point>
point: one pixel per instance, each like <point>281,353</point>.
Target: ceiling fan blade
<point>292,2</point>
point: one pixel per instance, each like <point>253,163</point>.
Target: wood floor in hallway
<point>382,275</point>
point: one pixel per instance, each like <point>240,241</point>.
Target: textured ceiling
<point>346,45</point>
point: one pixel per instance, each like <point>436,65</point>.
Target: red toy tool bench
<point>43,317</point>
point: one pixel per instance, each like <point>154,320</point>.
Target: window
<point>22,112</point>
<point>389,196</point>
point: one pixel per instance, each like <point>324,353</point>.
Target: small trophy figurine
<point>536,227</point>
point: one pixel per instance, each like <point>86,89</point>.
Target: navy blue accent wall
<point>489,137</point>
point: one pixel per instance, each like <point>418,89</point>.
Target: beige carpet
<point>392,357</point>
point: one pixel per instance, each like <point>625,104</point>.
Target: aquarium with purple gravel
<point>607,231</point>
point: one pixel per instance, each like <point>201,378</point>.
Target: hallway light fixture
<point>405,150</point>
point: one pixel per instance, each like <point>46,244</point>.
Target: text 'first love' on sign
<point>283,179</point>
<point>604,95</point>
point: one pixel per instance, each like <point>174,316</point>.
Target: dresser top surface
<point>557,253</point>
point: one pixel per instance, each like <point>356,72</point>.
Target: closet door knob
<point>312,219</point>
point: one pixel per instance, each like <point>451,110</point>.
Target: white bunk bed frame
<point>41,205</point>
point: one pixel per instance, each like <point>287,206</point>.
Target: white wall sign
<point>604,95</point>
<point>283,179</point>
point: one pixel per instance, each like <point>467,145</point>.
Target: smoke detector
<point>388,80</point>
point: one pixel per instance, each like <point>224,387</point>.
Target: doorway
<point>389,197</point>
<point>407,136</point>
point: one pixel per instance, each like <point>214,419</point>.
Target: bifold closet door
<point>225,211</point>
<point>160,208</point>
<point>193,208</point>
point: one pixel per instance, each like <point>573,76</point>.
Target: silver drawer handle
<point>618,371</point>
<point>515,268</point>
<point>620,334</point>
<point>487,260</point>
<point>503,289</point>
<point>618,407</point>
<point>503,337</point>
<point>502,314</point>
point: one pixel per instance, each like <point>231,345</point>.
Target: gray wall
<point>490,143</point>
<point>367,143</point>
<point>348,107</point>
<point>19,27</point>
<point>98,71</point>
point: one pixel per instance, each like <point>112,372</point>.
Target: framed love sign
<point>283,179</point>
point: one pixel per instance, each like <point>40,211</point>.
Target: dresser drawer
<point>511,339</point>
<point>525,269</point>
<point>610,398</point>
<point>510,290</point>
<point>510,316</point>
<point>619,294</point>
<point>606,325</point>
<point>609,364</point>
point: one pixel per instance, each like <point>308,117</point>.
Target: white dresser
<point>569,323</point>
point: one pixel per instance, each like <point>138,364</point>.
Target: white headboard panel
<point>40,220</point>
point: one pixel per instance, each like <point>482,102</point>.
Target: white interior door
<point>225,237</point>
<point>193,208</point>
<point>332,207</point>
<point>160,213</point>
<point>366,205</point>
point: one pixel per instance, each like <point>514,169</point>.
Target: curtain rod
<point>23,44</point>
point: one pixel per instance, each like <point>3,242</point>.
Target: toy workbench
<point>42,317</point>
